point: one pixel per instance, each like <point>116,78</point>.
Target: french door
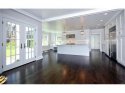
<point>18,44</point>
<point>29,43</point>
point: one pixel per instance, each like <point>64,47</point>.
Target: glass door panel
<point>29,41</point>
<point>12,43</point>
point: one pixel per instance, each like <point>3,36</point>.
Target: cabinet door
<point>122,32</point>
<point>123,51</point>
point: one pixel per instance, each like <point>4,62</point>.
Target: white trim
<point>1,47</point>
<point>28,14</point>
<point>39,57</point>
<point>113,17</point>
<point>89,12</point>
<point>17,20</point>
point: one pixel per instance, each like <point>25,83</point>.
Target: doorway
<point>95,41</point>
<point>18,44</point>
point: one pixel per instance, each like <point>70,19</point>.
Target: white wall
<point>119,21</point>
<point>12,14</point>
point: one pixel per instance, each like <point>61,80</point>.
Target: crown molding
<point>28,14</point>
<point>83,13</point>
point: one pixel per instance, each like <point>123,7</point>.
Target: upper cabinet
<point>120,25</point>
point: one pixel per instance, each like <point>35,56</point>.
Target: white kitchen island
<point>81,49</point>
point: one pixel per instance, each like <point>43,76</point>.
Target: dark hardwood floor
<point>67,69</point>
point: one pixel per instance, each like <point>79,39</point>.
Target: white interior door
<point>12,44</point>
<point>95,41</point>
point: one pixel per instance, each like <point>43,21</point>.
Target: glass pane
<point>8,47</point>
<point>13,47</point>
<point>26,28</point>
<point>8,33</point>
<point>13,27</point>
<point>32,43</point>
<point>26,55</point>
<point>13,34</point>
<point>17,50</point>
<point>17,43</point>
<point>13,59</point>
<point>30,49</point>
<point>8,62</point>
<point>28,43</point>
<point>17,57</point>
<point>8,29</point>
<point>30,54</point>
<point>27,49</point>
<point>30,29</point>
<point>17,35</point>
<point>17,28</point>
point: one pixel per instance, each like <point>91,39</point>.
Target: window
<point>58,39</point>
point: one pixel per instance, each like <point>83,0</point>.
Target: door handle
<point>21,46</point>
<point>24,45</point>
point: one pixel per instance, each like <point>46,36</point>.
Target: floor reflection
<point>67,69</point>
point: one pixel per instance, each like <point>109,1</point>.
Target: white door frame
<point>1,32</point>
<point>16,64</point>
<point>22,39</point>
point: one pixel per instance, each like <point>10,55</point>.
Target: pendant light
<point>82,27</point>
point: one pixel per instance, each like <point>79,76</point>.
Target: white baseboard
<point>39,57</point>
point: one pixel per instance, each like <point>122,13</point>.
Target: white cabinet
<point>120,32</point>
<point>123,51</point>
<point>106,40</point>
<point>119,50</point>
<point>119,21</point>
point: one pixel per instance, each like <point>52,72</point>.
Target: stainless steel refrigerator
<point>112,42</point>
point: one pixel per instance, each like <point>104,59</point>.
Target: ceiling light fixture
<point>101,20</point>
<point>82,26</point>
<point>105,13</point>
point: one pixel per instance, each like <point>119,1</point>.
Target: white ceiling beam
<point>83,13</point>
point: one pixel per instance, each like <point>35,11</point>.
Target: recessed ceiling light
<point>101,20</point>
<point>105,13</point>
